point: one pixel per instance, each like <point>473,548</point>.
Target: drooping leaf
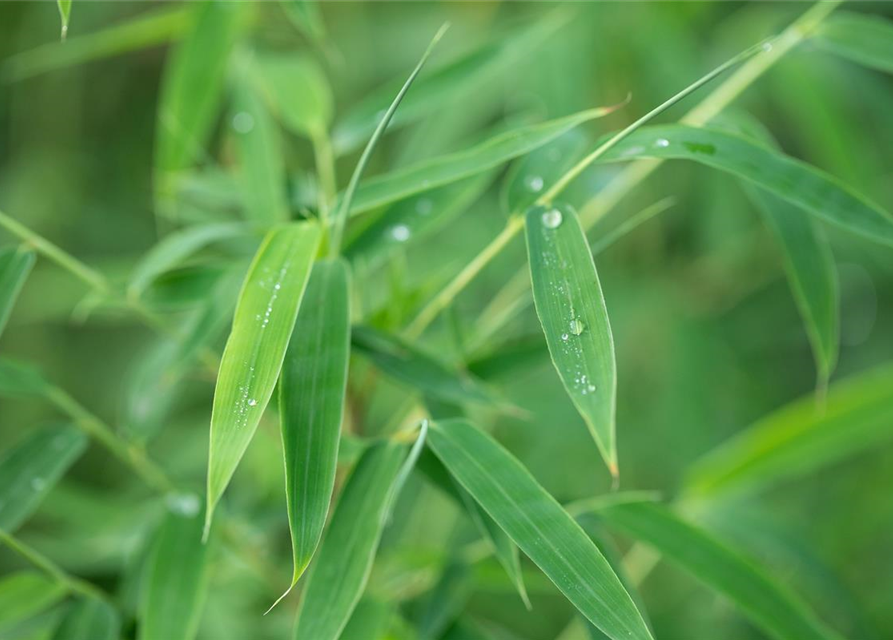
<point>800,437</point>
<point>762,598</point>
<point>32,467</point>
<point>170,252</point>
<point>15,265</point>
<point>89,619</point>
<point>538,525</point>
<point>794,181</point>
<point>862,38</point>
<point>192,86</point>
<point>298,92</point>
<point>811,273</point>
<point>264,317</point>
<point>339,575</point>
<point>261,164</point>
<point>571,308</point>
<point>438,172</point>
<point>25,594</point>
<point>311,405</point>
<point>176,578</point>
<point>404,362</point>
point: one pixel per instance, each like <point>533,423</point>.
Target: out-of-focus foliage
<point>742,285</point>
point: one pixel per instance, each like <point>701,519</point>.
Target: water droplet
<point>252,402</point>
<point>577,326</point>
<point>590,388</point>
<point>662,142</point>
<point>186,504</point>
<point>243,122</point>
<point>534,183</point>
<point>564,336</point>
<point>552,219</point>
<point>400,233</point>
<point>767,47</point>
<point>424,206</point>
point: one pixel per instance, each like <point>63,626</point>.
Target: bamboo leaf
<point>444,170</point>
<point>402,361</point>
<point>176,577</point>
<point>15,265</point>
<point>298,92</point>
<point>32,467</point>
<point>311,405</point>
<point>794,181</point>
<point>538,525</point>
<point>763,599</point>
<point>864,39</point>
<point>259,145</point>
<point>811,273</point>
<point>25,594</point>
<point>571,308</point>
<point>192,86</point>
<point>89,619</point>
<point>342,566</point>
<point>264,318</point>
<point>800,437</point>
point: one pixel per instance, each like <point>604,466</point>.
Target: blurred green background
<point>707,334</point>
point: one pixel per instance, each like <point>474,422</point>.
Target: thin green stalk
<point>325,172</point>
<point>70,582</point>
<point>65,260</point>
<point>130,454</point>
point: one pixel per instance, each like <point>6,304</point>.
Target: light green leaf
<point>298,92</point>
<point>176,579</point>
<point>538,525</point>
<point>25,594</point>
<point>65,15</point>
<point>762,598</point>
<point>444,170</point>
<point>402,361</point>
<point>32,467</point>
<point>89,619</point>
<point>311,405</point>
<point>342,566</point>
<point>261,163</point>
<point>794,181</point>
<point>571,308</point>
<point>15,265</point>
<point>265,315</point>
<point>800,437</point>
<point>170,252</point>
<point>862,38</point>
<point>21,379</point>
<point>192,86</point>
<point>811,273</point>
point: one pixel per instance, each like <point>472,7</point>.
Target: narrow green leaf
<point>811,273</point>
<point>32,467</point>
<point>25,594</point>
<point>298,92</point>
<point>571,308</point>
<point>170,252</point>
<point>763,599</point>
<point>438,172</point>
<point>89,619</point>
<point>404,362</point>
<point>800,437</point>
<point>862,38</point>
<point>264,318</point>
<point>192,86</point>
<point>794,181</point>
<point>21,379</point>
<point>261,163</point>
<point>65,15</point>
<point>311,405</point>
<point>342,566</point>
<point>15,265</point>
<point>176,573</point>
<point>539,525</point>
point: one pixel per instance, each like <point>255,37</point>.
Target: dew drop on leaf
<point>534,183</point>
<point>577,326</point>
<point>552,219</point>
<point>400,233</point>
<point>662,142</point>
<point>243,122</point>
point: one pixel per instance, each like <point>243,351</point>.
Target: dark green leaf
<point>15,265</point>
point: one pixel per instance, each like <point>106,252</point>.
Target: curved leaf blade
<point>311,405</point>
<point>344,560</point>
<point>90,619</point>
<point>571,308</point>
<point>539,526</point>
<point>29,471</point>
<point>15,265</point>
<point>264,318</point>
<point>764,600</point>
